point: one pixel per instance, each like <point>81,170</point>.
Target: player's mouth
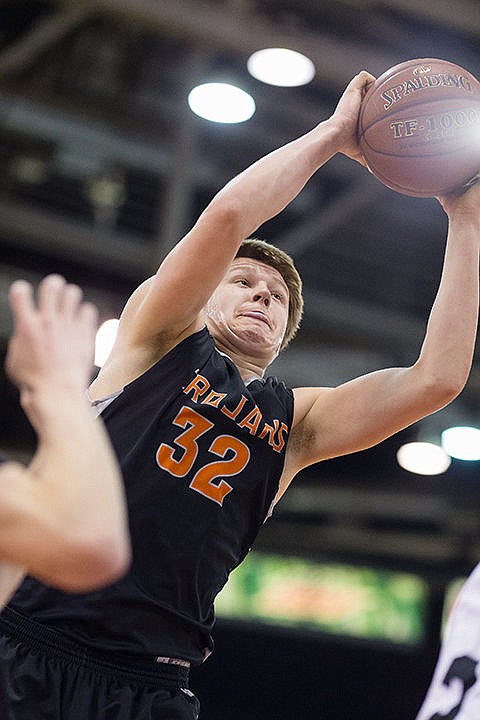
<point>256,315</point>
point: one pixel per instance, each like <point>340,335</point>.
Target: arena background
<point>102,169</point>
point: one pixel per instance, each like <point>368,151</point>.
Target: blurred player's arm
<point>63,517</point>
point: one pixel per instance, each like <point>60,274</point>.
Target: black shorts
<point>43,676</point>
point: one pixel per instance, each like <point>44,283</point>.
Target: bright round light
<point>279,66</point>
<point>221,102</point>
<point>104,340</point>
<point>462,442</point>
<point>423,458</point>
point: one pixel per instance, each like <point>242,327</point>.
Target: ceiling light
<point>221,102</point>
<point>462,442</point>
<point>29,169</point>
<point>423,458</point>
<point>279,66</point>
<point>105,192</point>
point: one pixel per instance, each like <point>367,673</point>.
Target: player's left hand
<point>466,200</point>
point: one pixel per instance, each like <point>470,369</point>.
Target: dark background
<point>103,168</point>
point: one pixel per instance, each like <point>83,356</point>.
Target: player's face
<point>249,309</point>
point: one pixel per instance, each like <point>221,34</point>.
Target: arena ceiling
<point>104,167</point>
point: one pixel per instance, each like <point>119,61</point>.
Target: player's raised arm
<point>367,410</point>
<point>172,301</point>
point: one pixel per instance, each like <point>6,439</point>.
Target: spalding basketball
<point>419,127</point>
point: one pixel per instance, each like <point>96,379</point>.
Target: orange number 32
<point>195,425</point>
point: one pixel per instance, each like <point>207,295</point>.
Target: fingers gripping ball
<point>419,127</point>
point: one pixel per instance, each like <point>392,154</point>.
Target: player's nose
<point>262,294</point>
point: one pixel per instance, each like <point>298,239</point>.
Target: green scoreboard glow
<point>360,602</point>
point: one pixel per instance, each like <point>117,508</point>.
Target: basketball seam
<point>407,153</point>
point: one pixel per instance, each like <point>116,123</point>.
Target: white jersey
<point>454,693</point>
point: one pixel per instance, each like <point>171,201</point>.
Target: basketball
<point>419,127</point>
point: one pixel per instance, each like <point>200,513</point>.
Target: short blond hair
<point>270,255</point>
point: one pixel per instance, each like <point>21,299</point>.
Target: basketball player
<point>62,518</point>
<point>208,444</point>
<point>454,692</point>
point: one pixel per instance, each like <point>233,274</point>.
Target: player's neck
<point>249,368</point>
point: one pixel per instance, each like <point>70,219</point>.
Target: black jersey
<point>202,454</point>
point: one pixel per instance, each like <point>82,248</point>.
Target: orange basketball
<point>419,127</point>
